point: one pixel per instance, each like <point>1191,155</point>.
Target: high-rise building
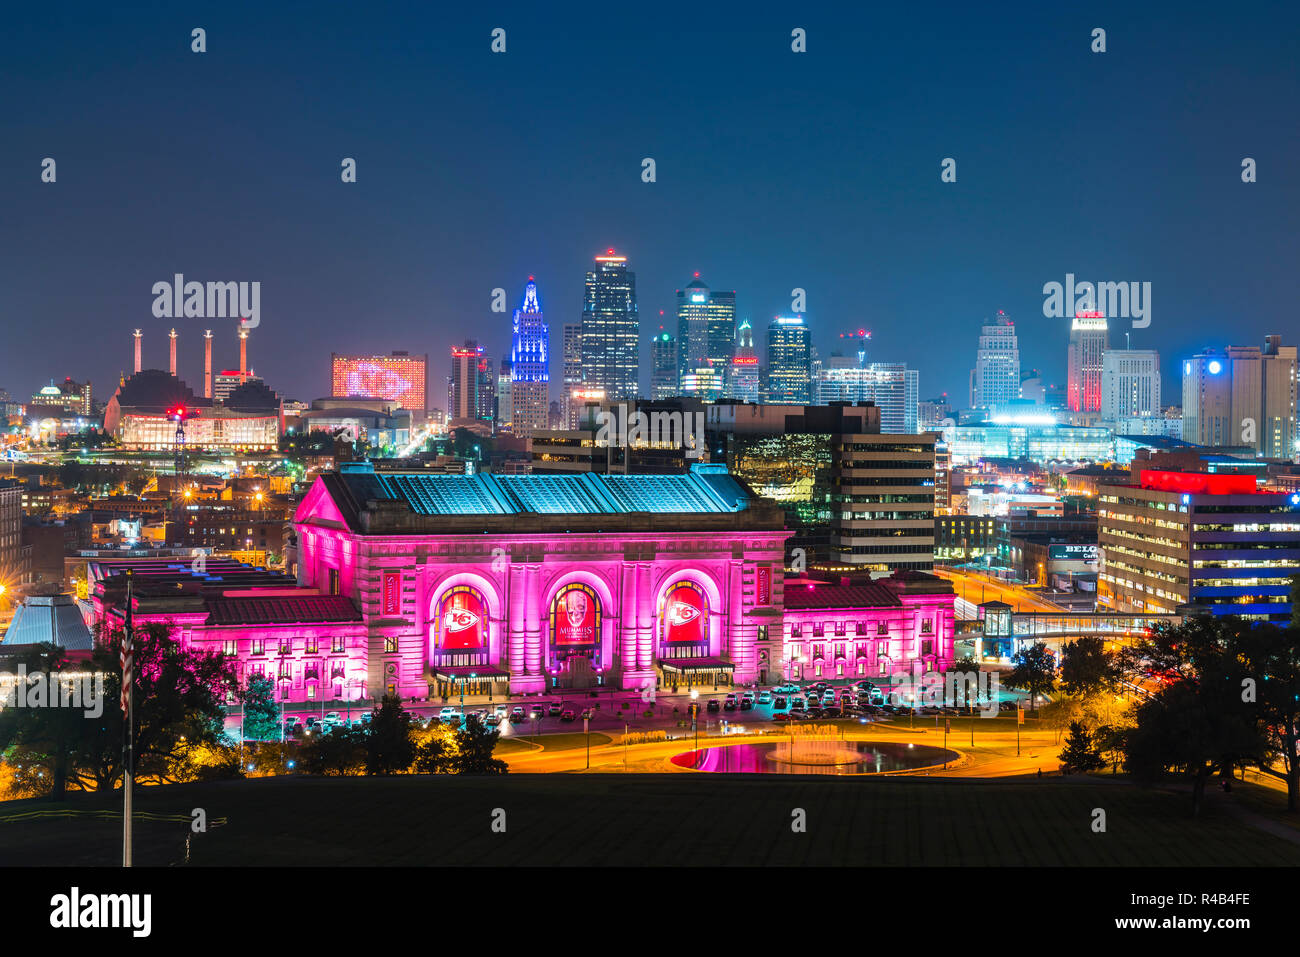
<point>706,339</point>
<point>663,366</point>
<point>529,365</point>
<point>892,386</point>
<point>1130,384</point>
<point>1244,397</point>
<point>789,361</point>
<point>855,500</point>
<point>742,380</point>
<point>472,389</point>
<point>572,376</point>
<point>71,396</point>
<point>1089,340</point>
<point>610,329</point>
<point>224,383</point>
<point>401,377</point>
<point>504,413</point>
<point>997,365</point>
<point>1208,539</point>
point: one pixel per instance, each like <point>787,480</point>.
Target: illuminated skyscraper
<point>663,364</point>
<point>571,357</point>
<point>400,377</point>
<point>789,361</point>
<point>892,386</point>
<point>1130,384</point>
<point>742,378</point>
<point>1246,396</point>
<point>529,365</point>
<point>997,365</point>
<point>473,391</point>
<point>1088,341</point>
<point>706,339</point>
<point>610,329</point>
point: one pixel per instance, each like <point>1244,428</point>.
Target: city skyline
<point>897,250</point>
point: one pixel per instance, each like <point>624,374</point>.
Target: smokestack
<point>172,346</point>
<point>243,354</point>
<point>207,363</point>
<point>137,350</point>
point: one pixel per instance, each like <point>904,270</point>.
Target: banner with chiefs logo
<point>686,614</point>
<point>575,617</point>
<point>462,620</point>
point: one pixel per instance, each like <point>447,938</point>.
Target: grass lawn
<point>565,741</point>
<point>654,819</point>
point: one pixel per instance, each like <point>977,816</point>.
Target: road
<point>976,588</point>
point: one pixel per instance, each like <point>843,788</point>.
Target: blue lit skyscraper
<point>789,361</point>
<point>529,365</point>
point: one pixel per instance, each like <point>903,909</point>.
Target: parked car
<point>831,712</point>
<point>782,716</point>
<point>765,698</point>
<point>501,710</point>
<point>780,703</point>
<point>587,713</point>
<point>746,704</point>
<point>786,689</point>
<point>333,718</point>
<point>491,721</point>
<point>798,704</point>
<point>537,711</point>
<point>448,712</point>
<point>730,703</point>
<point>567,714</point>
<point>553,708</point>
<point>713,705</point>
<point>517,714</point>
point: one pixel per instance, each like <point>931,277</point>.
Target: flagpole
<point>128,682</point>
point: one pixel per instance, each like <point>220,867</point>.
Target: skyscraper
<point>706,339</point>
<point>789,361</point>
<point>1244,397</point>
<point>890,385</point>
<point>610,328</point>
<point>571,357</point>
<point>663,365</point>
<point>742,380</point>
<point>529,365</point>
<point>997,364</point>
<point>472,390</point>
<point>1130,384</point>
<point>1088,341</point>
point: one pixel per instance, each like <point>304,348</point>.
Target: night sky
<point>775,170</point>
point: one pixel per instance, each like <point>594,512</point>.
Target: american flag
<point>128,670</point>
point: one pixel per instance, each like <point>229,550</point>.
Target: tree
<point>178,707</point>
<point>475,746</point>
<point>389,748</point>
<point>261,711</point>
<point>341,751</point>
<point>1080,754</point>
<point>1062,713</point>
<point>1087,668</point>
<point>41,743</point>
<point>437,753</point>
<point>1033,670</point>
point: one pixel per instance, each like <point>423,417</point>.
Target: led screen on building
<point>462,623</point>
<point>685,615</point>
<point>399,377</point>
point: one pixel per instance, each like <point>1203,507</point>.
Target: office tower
<point>856,500</point>
<point>706,339</point>
<point>931,413</point>
<point>997,365</point>
<point>742,381</point>
<point>530,374</point>
<point>487,390</point>
<point>890,385</point>
<point>789,361</point>
<point>1244,397</point>
<point>572,375</point>
<point>504,413</point>
<point>471,394</point>
<point>1130,384</point>
<point>1088,342</point>
<point>1214,540</point>
<point>663,365</point>
<point>400,377</point>
<point>610,341</point>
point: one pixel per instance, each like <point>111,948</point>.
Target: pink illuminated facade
<point>423,585</point>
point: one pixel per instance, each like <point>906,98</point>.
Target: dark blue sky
<point>775,170</point>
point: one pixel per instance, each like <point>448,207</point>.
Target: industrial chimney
<point>172,346</point>
<point>207,363</point>
<point>137,350</point>
<point>243,354</point>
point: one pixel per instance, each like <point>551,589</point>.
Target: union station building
<point>425,585</point>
